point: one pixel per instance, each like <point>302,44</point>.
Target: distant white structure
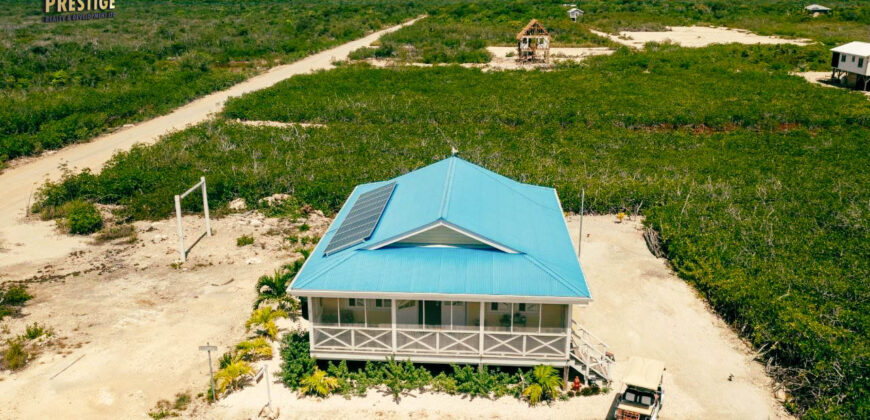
<point>849,64</point>
<point>575,13</point>
<point>817,9</point>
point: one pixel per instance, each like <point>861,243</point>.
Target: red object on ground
<point>576,386</point>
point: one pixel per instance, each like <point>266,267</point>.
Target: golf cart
<point>642,397</point>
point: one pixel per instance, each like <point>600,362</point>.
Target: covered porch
<point>440,331</point>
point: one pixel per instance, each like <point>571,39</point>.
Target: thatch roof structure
<point>533,28</point>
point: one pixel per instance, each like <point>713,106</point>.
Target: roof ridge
<point>521,193</point>
<point>555,275</point>
<point>448,186</point>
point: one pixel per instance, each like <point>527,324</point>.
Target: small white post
<point>268,388</point>
<point>205,207</point>
<point>180,228</point>
<point>393,311</point>
<point>568,332</point>
<point>482,315</point>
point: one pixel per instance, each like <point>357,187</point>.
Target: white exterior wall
<point>852,66</point>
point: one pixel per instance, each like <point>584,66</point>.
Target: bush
<point>233,376</point>
<point>15,357</point>
<point>82,217</point>
<point>15,295</point>
<point>265,319</point>
<point>244,240</point>
<point>32,332</point>
<point>255,349</point>
<point>296,359</point>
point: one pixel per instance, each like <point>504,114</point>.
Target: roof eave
<point>571,300</point>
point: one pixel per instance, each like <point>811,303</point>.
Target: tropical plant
<point>273,289</point>
<point>233,376</point>
<point>318,383</point>
<point>264,318</point>
<point>544,385</point>
<point>255,349</point>
<point>32,332</point>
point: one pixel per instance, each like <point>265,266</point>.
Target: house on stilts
<point>450,263</point>
<point>850,65</point>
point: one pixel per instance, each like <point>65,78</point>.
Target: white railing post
<point>311,301</point>
<point>205,207</point>
<point>568,321</point>
<point>393,310</point>
<point>180,228</point>
<point>482,315</point>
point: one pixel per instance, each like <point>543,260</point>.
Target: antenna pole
<point>580,238</point>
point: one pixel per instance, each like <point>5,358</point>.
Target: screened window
<point>853,58</point>
<point>860,62</point>
<point>843,58</point>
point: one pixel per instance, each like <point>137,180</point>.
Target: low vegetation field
<point>755,179</point>
<point>460,31</point>
<point>67,82</point>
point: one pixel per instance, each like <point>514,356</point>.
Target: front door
<point>433,312</point>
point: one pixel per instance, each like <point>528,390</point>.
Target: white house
<point>850,64</point>
<point>450,263</point>
<point>575,13</point>
<point>817,9</point>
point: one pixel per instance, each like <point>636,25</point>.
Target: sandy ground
<point>639,308</point>
<point>278,124</point>
<point>697,36</point>
<point>500,60</point>
<point>21,242</point>
<point>824,78</point>
<point>130,324</point>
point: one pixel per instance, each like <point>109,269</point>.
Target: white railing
<point>439,342</point>
<point>590,351</point>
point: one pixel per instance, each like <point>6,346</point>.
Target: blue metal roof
<point>532,253</point>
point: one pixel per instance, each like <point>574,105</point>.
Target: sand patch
<point>131,322</point>
<point>501,59</point>
<point>697,36</point>
<point>824,78</point>
<point>278,124</point>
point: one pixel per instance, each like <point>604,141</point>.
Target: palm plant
<point>265,318</point>
<point>255,349</point>
<point>273,289</point>
<point>233,376</point>
<point>544,385</point>
<point>318,383</point>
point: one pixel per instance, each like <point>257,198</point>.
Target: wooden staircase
<point>589,355</point>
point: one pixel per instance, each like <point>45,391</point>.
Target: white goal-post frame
<point>201,184</point>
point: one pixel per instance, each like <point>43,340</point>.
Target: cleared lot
<point>697,36</point>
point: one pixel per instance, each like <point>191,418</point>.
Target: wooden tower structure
<point>533,43</point>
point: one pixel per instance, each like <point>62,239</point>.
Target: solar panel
<point>361,220</point>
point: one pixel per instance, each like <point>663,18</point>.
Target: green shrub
<point>254,349</point>
<point>82,217</point>
<point>15,295</point>
<point>544,384</point>
<point>32,332</point>
<point>296,360</point>
<point>111,233</point>
<point>15,356</point>
<point>244,240</point>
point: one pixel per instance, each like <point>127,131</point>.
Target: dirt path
<point>639,308</point>
<point>697,36</point>
<point>23,241</point>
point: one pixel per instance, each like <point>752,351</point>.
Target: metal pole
<point>580,239</point>
<point>205,207</point>
<point>211,373</point>
<point>268,387</point>
<point>180,229</point>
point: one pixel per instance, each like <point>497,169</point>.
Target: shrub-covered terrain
<point>66,82</point>
<point>756,180</point>
<point>460,31</point>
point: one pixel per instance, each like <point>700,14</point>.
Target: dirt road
<point>28,241</point>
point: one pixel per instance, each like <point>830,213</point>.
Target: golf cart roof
<point>644,373</point>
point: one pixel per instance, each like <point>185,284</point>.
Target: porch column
<point>481,327</point>
<point>393,311</point>
<point>311,301</point>
<point>568,321</point>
